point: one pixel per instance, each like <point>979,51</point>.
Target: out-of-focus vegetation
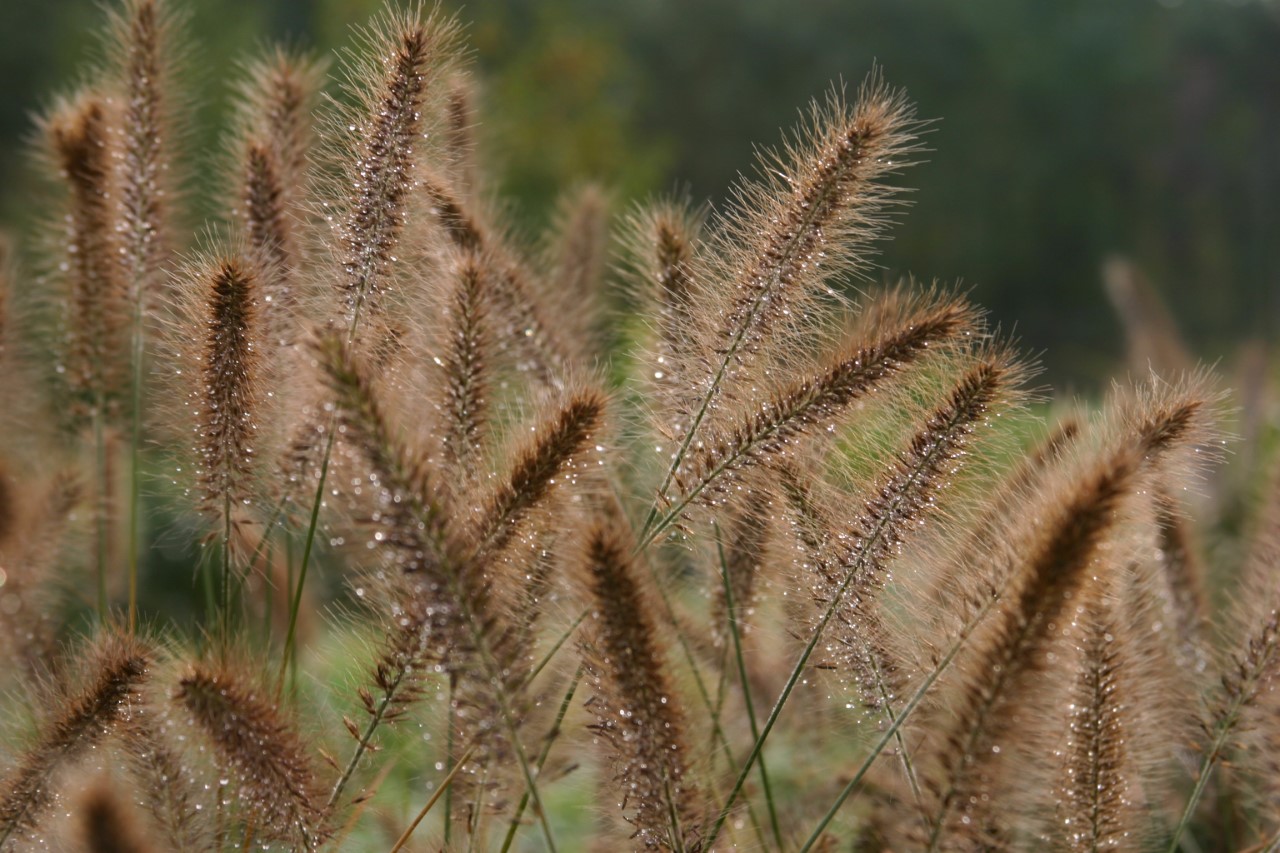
<point>1068,130</point>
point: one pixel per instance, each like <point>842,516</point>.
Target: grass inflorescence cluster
<point>650,534</point>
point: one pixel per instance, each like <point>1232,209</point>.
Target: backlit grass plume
<point>255,742</point>
<point>803,406</point>
<point>1061,562</point>
<point>466,367</point>
<point>637,713</point>
<point>537,345</point>
<point>226,405</point>
<point>272,136</point>
<point>81,714</point>
<point>1101,808</point>
<point>377,144</point>
<point>812,216</point>
<point>98,313</point>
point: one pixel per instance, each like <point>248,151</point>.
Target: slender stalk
<point>907,710</point>
<point>366,737</point>
<point>444,786</point>
<point>555,647</point>
<point>827,615</point>
<point>677,834</point>
<point>481,642</point>
<point>1207,764</point>
<point>307,544</point>
<point>210,593</point>
<point>448,756</point>
<point>886,700</point>
<point>548,740</point>
<point>746,688</point>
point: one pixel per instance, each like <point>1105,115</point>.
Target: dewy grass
<point>422,503</point>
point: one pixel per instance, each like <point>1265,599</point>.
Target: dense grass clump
<point>675,547</point>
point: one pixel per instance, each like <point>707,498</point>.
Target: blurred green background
<point>1068,130</point>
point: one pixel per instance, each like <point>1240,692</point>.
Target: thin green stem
<point>886,700</point>
<point>448,756</point>
<point>366,737</point>
<point>732,619</point>
<point>307,544</point>
<point>871,541</point>
<point>1211,757</point>
<point>445,787</point>
<point>210,592</point>
<point>473,824</point>
<point>677,834</point>
<point>907,710</point>
<point>547,742</point>
<point>555,647</point>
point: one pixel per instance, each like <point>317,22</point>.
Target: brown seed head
<point>228,402</point>
<point>637,713</point>
<point>277,782</point>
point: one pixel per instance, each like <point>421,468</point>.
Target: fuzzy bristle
<point>801,407</point>
<point>578,256</point>
<point>442,598</point>
<point>251,738</point>
<point>460,122</point>
<point>143,35</point>
<point>276,101</point>
<point>407,499</point>
<point>851,575</point>
<point>637,713</point>
<point>227,406</point>
<point>1061,553</point>
<point>744,544</point>
<point>540,465</point>
<point>1057,567</point>
<point>830,210</point>
<point>380,142</point>
<point>30,555</point>
<point>273,136</point>
<point>661,242</point>
<point>816,210</point>
<point>266,218</point>
<point>466,368</point>
<point>165,781</point>
<point>97,299</point>
<point>83,715</point>
<point>1098,808</point>
<point>527,328</point>
<point>1184,574</point>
